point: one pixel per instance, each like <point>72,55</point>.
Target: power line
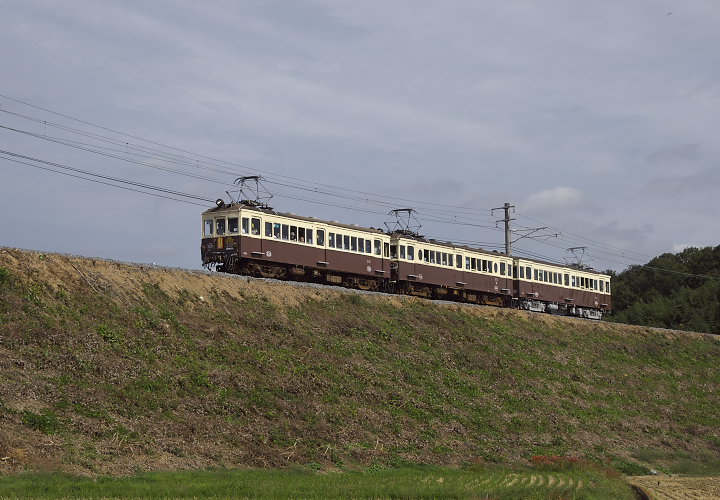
<point>155,150</point>
<point>186,162</point>
<point>99,181</point>
<point>15,156</point>
<point>405,200</point>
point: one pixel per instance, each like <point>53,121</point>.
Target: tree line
<point>679,291</point>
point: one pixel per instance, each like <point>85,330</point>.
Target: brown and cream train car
<point>429,268</point>
<point>545,287</point>
<point>251,240</point>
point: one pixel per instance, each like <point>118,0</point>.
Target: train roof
<point>269,211</point>
<point>414,237</point>
<point>449,244</point>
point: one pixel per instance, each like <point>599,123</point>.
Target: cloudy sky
<point>597,120</point>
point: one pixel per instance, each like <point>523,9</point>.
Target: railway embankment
<point>107,367</point>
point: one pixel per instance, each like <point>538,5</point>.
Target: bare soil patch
<point>679,488</point>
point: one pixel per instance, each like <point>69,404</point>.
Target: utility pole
<point>506,220</point>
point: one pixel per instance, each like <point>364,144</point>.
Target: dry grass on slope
<point>111,367</point>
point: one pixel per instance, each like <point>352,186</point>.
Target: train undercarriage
<point>289,272</point>
<point>558,309</point>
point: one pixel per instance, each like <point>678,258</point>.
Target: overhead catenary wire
<point>113,153</point>
<point>15,160</point>
<point>206,157</point>
<point>138,148</point>
<point>15,156</point>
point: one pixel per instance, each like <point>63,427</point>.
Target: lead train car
<point>251,240</point>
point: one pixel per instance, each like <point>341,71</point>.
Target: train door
<point>320,252</point>
<point>380,260</point>
<point>251,240</point>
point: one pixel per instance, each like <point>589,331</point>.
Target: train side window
<point>331,240</point>
<point>361,245</point>
<point>301,234</point>
<point>473,264</point>
<point>293,233</point>
<point>219,226</point>
<point>309,237</point>
<point>353,243</point>
<point>536,275</point>
<point>276,231</point>
<point>467,262</point>
<point>368,246</point>
<point>545,273</point>
<point>432,257</point>
<point>255,226</point>
<point>321,237</point>
<point>268,229</point>
<point>285,232</point>
<point>245,225</point>
<point>444,259</point>
<point>602,286</point>
<point>346,242</point>
<point>378,247</point>
<point>522,273</point>
<point>458,261</point>
<point>402,251</point>
<point>411,252</point>
<point>426,255</point>
<point>496,268</point>
<point>386,248</point>
<point>515,272</point>
<point>567,280</point>
<point>208,231</point>
<point>527,271</point>
<point>502,269</point>
<point>233,225</point>
<point>393,251</point>
<point>607,286</point>
<point>572,281</point>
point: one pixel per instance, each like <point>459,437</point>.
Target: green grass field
<point>415,482</point>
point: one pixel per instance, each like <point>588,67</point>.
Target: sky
<point>596,121</point>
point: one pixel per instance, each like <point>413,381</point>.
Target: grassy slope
<point>114,368</point>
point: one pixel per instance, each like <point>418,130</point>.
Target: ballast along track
<point>249,239</point>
